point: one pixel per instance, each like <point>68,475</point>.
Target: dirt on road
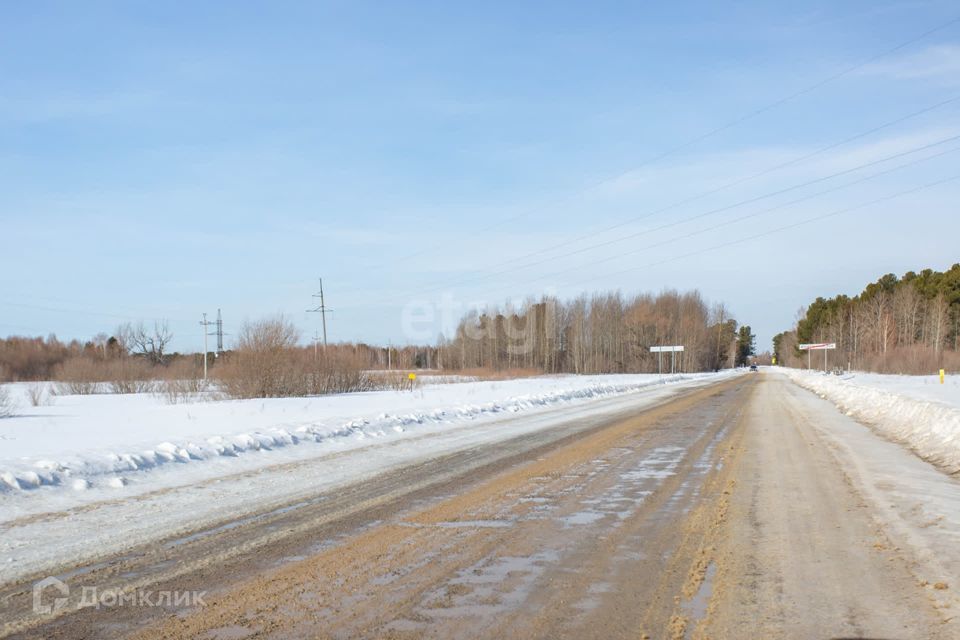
<point>803,555</point>
<point>717,515</point>
<point>595,539</point>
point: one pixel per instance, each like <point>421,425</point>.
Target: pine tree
<point>746,345</point>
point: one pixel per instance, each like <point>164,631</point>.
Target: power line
<point>717,130</point>
<point>20,327</point>
<point>95,314</point>
<point>619,239</point>
<point>741,180</point>
<point>749,216</point>
<point>72,311</point>
<point>711,212</point>
<point>73,304</point>
<point>684,201</point>
<point>794,225</point>
<point>701,215</point>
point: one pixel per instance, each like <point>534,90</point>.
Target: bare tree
<point>152,345</point>
<point>595,333</point>
<point>100,342</point>
<point>270,335</point>
<point>881,322</point>
<point>938,314</point>
<point>906,309</point>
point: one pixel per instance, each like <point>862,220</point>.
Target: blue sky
<point>159,160</point>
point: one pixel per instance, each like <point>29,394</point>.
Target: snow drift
<point>898,407</point>
<point>102,441</point>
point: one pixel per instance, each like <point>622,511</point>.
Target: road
<point>726,511</point>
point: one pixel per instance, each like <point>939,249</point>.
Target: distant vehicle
<point>753,367</point>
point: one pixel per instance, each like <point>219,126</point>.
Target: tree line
<point>135,350</point>
<point>590,334</point>
<point>597,333</point>
<point>907,324</point>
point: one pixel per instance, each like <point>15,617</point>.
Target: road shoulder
<point>806,552</point>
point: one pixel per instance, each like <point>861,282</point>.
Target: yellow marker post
<point>774,360</point>
<point>942,373</point>
<point>412,376</point>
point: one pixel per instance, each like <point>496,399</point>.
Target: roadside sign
<point>818,346</point>
<point>672,350</point>
<point>412,376</point>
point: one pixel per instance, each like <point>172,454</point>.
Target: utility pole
<point>219,333</point>
<point>206,324</point>
<point>720,338</point>
<point>322,310</point>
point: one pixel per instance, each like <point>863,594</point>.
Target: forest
<point>908,324</point>
<point>599,333</point>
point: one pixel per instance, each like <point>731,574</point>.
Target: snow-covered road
<point>832,530</point>
<point>916,503</point>
<point>283,449</point>
<point>916,411</point>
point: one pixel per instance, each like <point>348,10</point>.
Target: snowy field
<point>916,411</point>
<point>82,443</point>
<point>130,469</point>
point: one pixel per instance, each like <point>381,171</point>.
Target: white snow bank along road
<point>914,410</point>
<point>108,441</point>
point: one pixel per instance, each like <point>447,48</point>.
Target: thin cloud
<point>938,62</point>
<point>713,170</point>
<point>75,107</point>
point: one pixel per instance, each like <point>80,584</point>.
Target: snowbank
<point>82,442</point>
<point>914,410</point>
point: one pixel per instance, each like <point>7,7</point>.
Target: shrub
<point>184,382</point>
<point>337,373</point>
<point>78,376</point>
<point>267,363</point>
<point>913,360</point>
<point>85,375</point>
<point>261,365</point>
<point>175,391</point>
<point>23,358</point>
<point>39,394</point>
<point>129,375</point>
<point>7,404</point>
<point>396,380</point>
